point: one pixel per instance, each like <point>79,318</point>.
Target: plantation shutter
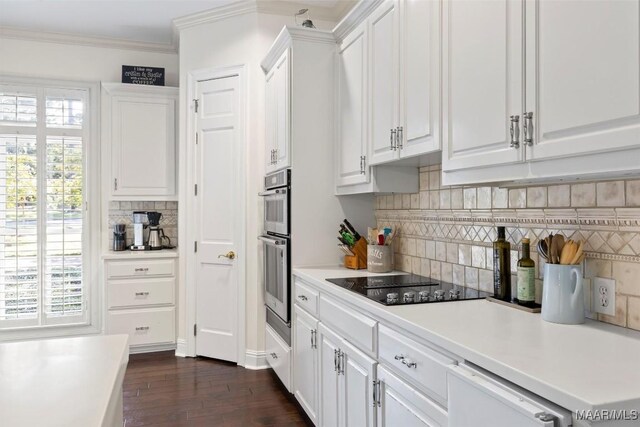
<point>42,206</point>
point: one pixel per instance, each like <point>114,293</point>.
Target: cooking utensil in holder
<point>359,260</point>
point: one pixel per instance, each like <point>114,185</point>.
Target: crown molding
<point>357,15</point>
<point>216,14</point>
<point>103,42</point>
<point>286,37</point>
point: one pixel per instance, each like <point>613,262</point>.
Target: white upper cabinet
<point>420,77</point>
<point>278,114</point>
<point>139,140</point>
<point>567,71</point>
<point>583,80</point>
<point>404,37</point>
<point>384,67</point>
<point>351,120</point>
<point>482,82</point>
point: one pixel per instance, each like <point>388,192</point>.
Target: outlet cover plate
<point>603,296</point>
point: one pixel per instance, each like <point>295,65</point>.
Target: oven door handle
<point>272,241</point>
<point>277,191</point>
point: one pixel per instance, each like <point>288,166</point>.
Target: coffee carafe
<point>155,232</point>
<point>119,237</point>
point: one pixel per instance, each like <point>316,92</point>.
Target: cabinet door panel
<point>351,124</point>
<point>357,381</point>
<point>328,344</point>
<point>384,66</point>
<point>283,111</point>
<point>482,81</point>
<point>270,120</point>
<point>143,146</point>
<point>420,87</point>
<point>583,76</point>
<point>305,363</point>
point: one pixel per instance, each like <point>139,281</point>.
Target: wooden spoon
<point>558,242</point>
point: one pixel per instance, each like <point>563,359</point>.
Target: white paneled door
<point>218,228</point>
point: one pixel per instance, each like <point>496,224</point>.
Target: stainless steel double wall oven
<point>277,251</point>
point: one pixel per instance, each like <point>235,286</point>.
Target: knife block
<point>359,260</point>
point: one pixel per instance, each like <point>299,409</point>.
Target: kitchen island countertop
<point>580,367</point>
<point>63,382</point>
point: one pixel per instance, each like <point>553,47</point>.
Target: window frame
<point>91,221</point>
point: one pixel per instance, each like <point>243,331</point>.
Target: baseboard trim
<point>255,360</point>
<point>181,348</point>
<point>150,348</point>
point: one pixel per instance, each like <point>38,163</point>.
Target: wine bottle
<point>502,267</point>
<point>526,277</point>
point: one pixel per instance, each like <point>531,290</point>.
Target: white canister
<point>562,294</point>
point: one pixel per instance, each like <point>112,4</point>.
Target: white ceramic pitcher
<point>562,294</point>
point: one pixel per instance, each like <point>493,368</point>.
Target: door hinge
<point>195,189</point>
<point>195,329</point>
<point>195,246</point>
<point>195,104</point>
<point>376,393</point>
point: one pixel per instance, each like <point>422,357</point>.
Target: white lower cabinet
<point>401,405</point>
<point>346,382</point>
<point>305,355</point>
<point>140,296</point>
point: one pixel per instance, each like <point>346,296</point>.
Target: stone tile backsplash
<point>447,232</point>
<point>122,213</point>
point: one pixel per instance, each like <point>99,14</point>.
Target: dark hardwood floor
<point>163,390</point>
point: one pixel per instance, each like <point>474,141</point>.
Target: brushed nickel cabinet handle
<point>515,131</point>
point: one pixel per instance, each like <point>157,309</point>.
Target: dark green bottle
<point>502,267</point>
<point>526,277</point>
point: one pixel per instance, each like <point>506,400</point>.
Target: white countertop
<point>162,253</point>
<point>589,366</point>
<point>60,382</point>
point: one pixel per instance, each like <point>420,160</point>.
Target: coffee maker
<point>155,232</point>
<point>138,231</point>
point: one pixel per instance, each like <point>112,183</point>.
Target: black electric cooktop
<point>403,289</point>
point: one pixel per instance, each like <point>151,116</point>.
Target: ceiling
<point>147,21</point>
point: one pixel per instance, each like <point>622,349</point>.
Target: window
<point>44,242</point>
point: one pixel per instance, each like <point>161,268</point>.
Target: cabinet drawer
<point>417,363</point>
<point>357,328</point>
<point>306,297</point>
<point>278,356</point>
<point>140,268</point>
<point>144,326</point>
<point>140,292</point>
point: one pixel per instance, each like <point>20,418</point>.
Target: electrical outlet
<point>603,296</point>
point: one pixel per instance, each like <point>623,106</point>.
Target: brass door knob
<point>229,255</point>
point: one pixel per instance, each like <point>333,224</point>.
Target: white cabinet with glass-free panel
<point>578,90</point>
<point>583,86</point>
<point>346,381</point>
<point>351,120</point>
<point>140,301</point>
<point>404,80</point>
<point>139,141</point>
<point>305,362</point>
<point>278,114</point>
<point>482,82</point>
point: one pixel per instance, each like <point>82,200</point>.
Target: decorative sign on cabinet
<point>139,134</point>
